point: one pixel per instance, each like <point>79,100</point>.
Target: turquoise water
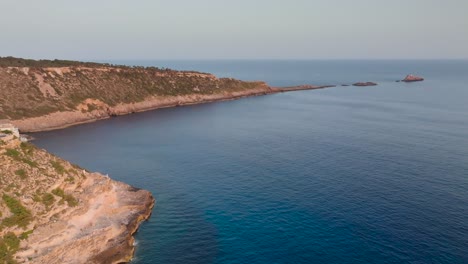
<point>341,175</point>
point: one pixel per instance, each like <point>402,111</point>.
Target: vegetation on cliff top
<point>26,177</point>
<point>9,244</point>
<point>54,207</point>
<point>32,88</point>
<point>19,62</point>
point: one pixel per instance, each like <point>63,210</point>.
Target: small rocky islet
<point>408,78</point>
<point>412,78</point>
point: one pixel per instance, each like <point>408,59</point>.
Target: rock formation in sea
<point>365,84</point>
<point>412,78</point>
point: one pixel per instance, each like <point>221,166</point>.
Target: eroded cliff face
<point>93,109</point>
<point>55,212</point>
<point>42,98</point>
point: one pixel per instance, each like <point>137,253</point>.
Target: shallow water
<point>341,175</point>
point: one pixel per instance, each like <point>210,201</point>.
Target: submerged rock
<point>365,84</point>
<point>412,78</point>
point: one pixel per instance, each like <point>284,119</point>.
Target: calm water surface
<point>342,175</point>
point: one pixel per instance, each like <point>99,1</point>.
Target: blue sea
<point>340,175</point>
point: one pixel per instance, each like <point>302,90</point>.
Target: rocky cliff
<point>54,212</point>
<point>42,95</point>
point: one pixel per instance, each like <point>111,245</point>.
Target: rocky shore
<point>62,119</point>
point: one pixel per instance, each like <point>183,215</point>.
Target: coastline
<point>100,229</point>
<point>61,120</point>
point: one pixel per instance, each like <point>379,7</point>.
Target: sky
<point>240,29</point>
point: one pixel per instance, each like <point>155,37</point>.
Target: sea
<point>340,175</point>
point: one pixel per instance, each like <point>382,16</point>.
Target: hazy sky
<point>234,29</point>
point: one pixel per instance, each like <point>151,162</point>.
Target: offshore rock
<point>412,78</point>
<point>365,84</point>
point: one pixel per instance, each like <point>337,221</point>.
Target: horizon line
<point>240,59</point>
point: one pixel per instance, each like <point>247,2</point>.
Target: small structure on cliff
<point>8,130</point>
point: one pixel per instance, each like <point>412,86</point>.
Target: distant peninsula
<point>50,94</point>
<point>39,95</point>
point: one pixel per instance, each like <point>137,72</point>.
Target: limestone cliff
<point>54,212</point>
<point>42,95</point>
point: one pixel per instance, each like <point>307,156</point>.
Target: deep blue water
<point>341,175</point>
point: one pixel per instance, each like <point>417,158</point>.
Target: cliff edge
<point>54,212</point>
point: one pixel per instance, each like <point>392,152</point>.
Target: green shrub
<point>70,179</point>
<point>47,199</point>
<point>12,241</point>
<point>27,148</point>
<point>21,216</point>
<point>9,244</point>
<point>71,201</point>
<point>58,167</point>
<point>25,235</point>
<point>12,153</point>
<point>59,192</point>
<point>30,162</point>
<point>21,173</point>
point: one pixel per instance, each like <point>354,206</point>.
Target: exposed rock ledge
<point>100,231</point>
<point>64,119</point>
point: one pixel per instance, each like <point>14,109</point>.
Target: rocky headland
<point>54,212</point>
<point>44,95</point>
